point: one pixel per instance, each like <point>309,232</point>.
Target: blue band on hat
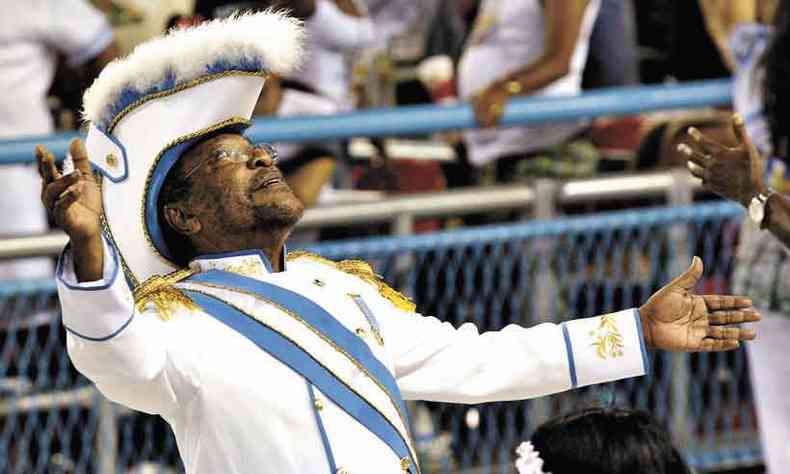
<point>166,161</point>
<point>161,171</point>
<point>129,95</point>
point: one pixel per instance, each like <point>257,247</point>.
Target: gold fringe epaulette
<point>159,291</point>
<point>361,269</point>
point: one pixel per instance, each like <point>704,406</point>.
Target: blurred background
<point>576,204</point>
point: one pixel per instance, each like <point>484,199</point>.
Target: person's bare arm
<point>777,217</point>
<point>109,53</point>
<point>563,20</point>
<point>350,8</point>
<point>74,201</point>
<point>271,97</point>
<point>736,173</point>
<point>340,26</point>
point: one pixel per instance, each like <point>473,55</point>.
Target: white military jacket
<point>236,409</point>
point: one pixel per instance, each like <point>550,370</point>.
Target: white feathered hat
<point>145,110</point>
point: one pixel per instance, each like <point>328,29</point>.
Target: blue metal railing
<point>431,118</point>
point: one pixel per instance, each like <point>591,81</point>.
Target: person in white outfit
<point>756,174</point>
<point>187,305</point>
<point>32,34</point>
<point>518,48</point>
<point>339,33</point>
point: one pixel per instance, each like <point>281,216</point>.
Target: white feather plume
<point>271,38</point>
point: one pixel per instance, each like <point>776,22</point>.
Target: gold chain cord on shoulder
<point>159,291</point>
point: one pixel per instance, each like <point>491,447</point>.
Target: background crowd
<point>374,53</point>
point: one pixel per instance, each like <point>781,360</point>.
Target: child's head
<point>606,441</point>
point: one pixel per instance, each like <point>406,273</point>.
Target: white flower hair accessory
<point>529,461</point>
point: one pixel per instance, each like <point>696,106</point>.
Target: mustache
<point>267,178</point>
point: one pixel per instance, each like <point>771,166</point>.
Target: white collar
<point>249,263</point>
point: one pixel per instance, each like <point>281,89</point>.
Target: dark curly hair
<point>775,65</point>
<point>606,441</point>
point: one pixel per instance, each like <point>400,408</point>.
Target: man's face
<point>236,188</point>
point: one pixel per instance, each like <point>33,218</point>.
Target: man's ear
<point>181,220</point>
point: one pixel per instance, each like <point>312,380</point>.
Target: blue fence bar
<point>426,119</point>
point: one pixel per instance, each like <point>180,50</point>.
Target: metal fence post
<point>680,194</point>
<point>545,281</point>
<point>106,436</point>
<point>402,225</point>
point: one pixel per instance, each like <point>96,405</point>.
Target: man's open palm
<point>676,319</point>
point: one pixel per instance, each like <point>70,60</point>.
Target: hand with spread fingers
<point>74,201</point>
<point>489,105</point>
<point>675,319</point>
<point>736,173</point>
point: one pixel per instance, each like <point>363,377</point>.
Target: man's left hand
<point>675,319</point>
<point>489,105</point>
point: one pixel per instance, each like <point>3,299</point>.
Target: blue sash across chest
<point>308,365</point>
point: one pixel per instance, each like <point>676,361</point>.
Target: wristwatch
<point>757,207</point>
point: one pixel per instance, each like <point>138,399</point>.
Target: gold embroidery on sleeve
<point>607,339</point>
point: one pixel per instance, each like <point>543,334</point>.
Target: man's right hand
<point>74,201</point>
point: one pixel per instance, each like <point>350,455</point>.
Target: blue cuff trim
<point>81,286</point>
<point>569,350</point>
<point>102,339</point>
<point>645,358</point>
<point>93,49</point>
<point>330,458</point>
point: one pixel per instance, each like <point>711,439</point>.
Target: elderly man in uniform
<point>179,298</point>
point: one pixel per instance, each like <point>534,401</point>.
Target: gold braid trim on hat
<point>178,88</point>
<point>150,176</point>
<point>362,270</point>
<point>142,101</point>
<point>159,291</point>
<point>108,233</point>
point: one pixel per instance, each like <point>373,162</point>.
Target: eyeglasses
<point>224,155</point>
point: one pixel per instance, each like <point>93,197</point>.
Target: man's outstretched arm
<point>435,361</point>
<point>778,217</point>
